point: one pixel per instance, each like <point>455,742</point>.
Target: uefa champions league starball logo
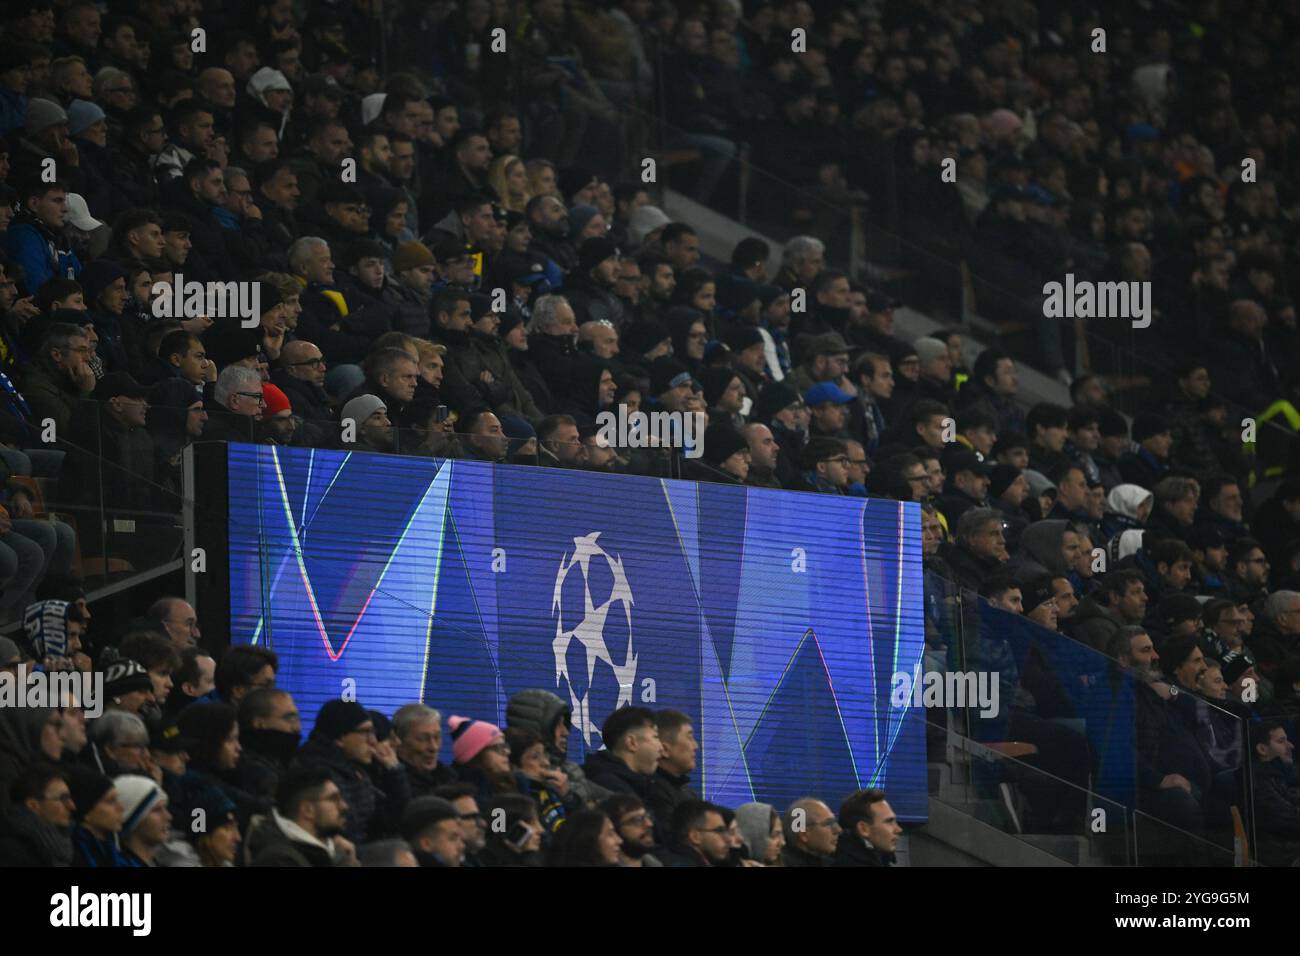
<point>586,624</point>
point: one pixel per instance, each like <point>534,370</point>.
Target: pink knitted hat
<point>470,737</point>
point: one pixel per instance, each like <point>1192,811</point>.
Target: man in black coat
<point>871,830</point>
<point>301,376</point>
<point>1277,794</point>
<point>981,548</point>
<point>631,755</point>
<point>672,781</point>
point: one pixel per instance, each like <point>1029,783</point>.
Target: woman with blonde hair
<point>509,178</point>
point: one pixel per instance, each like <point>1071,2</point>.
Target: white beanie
<point>138,795</point>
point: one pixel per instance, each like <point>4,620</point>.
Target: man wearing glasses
<point>825,467</point>
<point>237,404</point>
<point>60,377</point>
<point>345,743</point>
<point>300,374</point>
<point>36,829</point>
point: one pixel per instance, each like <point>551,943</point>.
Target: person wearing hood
<point>175,419</point>
<point>272,93</point>
<point>1046,547</point>
<point>344,742</point>
<point>761,830</point>
<point>551,718</point>
<point>27,736</point>
<point>591,390</point>
<point>36,830</point>
<point>690,334</point>
<point>1128,507</point>
<point>726,456</point>
<point>590,289</point>
<point>270,731</point>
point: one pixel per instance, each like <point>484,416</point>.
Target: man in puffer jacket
<point>343,743</point>
<point>546,714</point>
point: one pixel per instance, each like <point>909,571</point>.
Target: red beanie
<point>276,400</point>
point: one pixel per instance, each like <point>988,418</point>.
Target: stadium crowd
<point>444,236</point>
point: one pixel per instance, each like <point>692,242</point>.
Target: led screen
<point>774,619</point>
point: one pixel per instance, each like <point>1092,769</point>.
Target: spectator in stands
<point>671,785</point>
<point>431,825</point>
<point>473,823</point>
<point>811,833</point>
<point>242,669</point>
<point>343,741</point>
<point>980,548</point>
<point>270,731</point>
<point>1121,601</point>
<point>36,829</point>
<point>1277,796</point>
<point>630,760</point>
<point>236,404</point>
<point>98,818</point>
<point>635,828</point>
<point>34,238</point>
<point>551,718</point>
<point>418,729</point>
<point>699,836</point>
<point>761,830</point>
<point>59,378</point>
<point>870,830</point>
<point>1148,463</point>
<point>305,827</point>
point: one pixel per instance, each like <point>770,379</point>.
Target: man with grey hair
<point>553,341</point>
<point>236,407</point>
<point>120,743</point>
<point>802,258</point>
<point>1277,637</point>
<point>936,371</point>
<point>981,549</point>
<point>418,730</point>
<point>60,377</point>
<point>600,337</point>
<point>341,326</point>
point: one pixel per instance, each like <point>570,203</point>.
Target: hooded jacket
<point>1040,550</point>
<point>539,711</point>
<point>1122,504</point>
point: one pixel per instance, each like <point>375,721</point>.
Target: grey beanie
<point>42,114</point>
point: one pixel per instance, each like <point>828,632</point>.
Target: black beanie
<point>715,382</point>
<point>721,441</point>
<point>88,787</point>
<point>641,337</point>
<point>772,400</point>
<point>663,372</point>
<point>339,717</point>
<point>1001,478</point>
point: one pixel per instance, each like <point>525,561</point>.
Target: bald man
<point>217,86</point>
<point>599,337</point>
<point>300,374</point>
<point>811,832</point>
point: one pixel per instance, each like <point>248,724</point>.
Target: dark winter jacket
<point>373,810</point>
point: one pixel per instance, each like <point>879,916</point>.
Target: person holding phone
<point>514,836</point>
